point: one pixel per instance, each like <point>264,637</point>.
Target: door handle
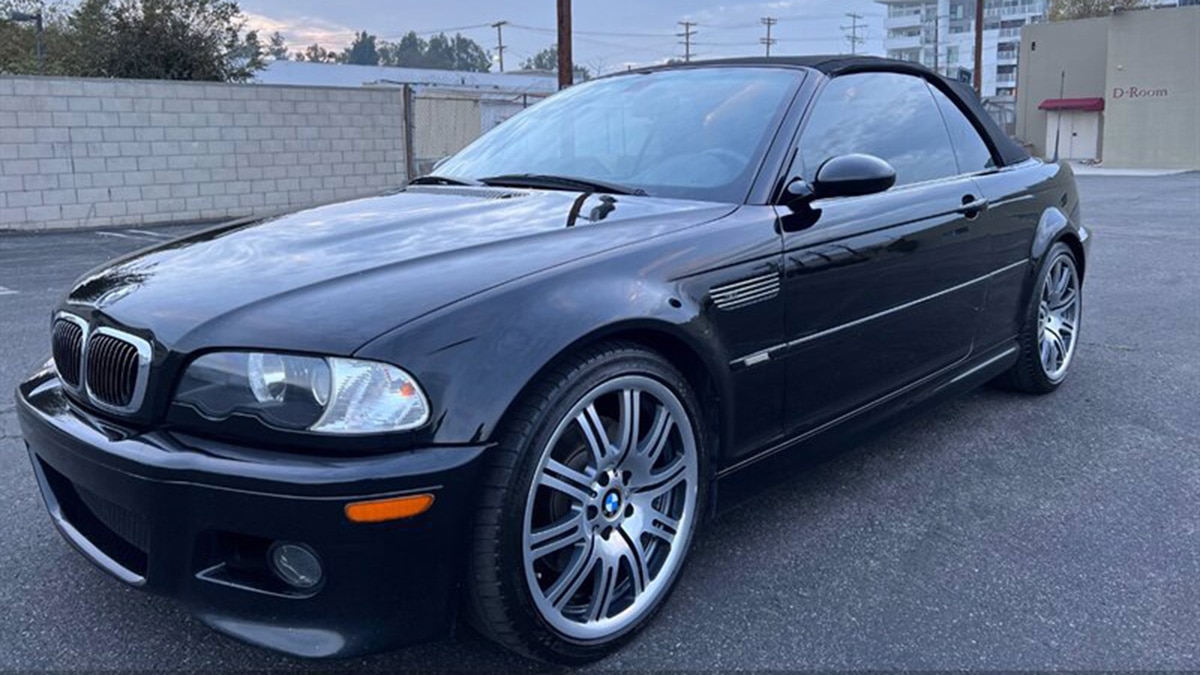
<point>972,206</point>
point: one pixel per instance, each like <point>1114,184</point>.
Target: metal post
<point>979,48</point>
<point>937,35</point>
<point>40,30</point>
<point>566,67</point>
<point>410,125</point>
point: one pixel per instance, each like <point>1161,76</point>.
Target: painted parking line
<point>7,291</point>
<point>118,235</point>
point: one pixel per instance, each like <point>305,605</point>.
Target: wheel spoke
<point>567,532</point>
<point>560,477</point>
<point>597,436</point>
<point>631,401</point>
<point>635,553</point>
<point>606,587</point>
<point>1060,350</point>
<point>663,528</point>
<point>660,432</point>
<point>665,481</point>
<point>576,572</point>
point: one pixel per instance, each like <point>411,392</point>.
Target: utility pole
<point>769,41</point>
<point>853,37</point>
<point>36,20</point>
<point>687,39</point>
<point>499,26</point>
<point>937,37</point>
<point>566,67</point>
<point>979,48</point>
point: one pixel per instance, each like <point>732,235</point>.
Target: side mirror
<point>844,176</point>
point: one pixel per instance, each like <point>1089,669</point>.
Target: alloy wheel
<point>611,508</point>
<point>1058,318</point>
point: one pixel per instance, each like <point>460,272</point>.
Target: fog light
<point>296,565</point>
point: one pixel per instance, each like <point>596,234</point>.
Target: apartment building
<point>941,35</point>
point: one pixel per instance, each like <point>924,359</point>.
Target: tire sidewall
<point>547,642</point>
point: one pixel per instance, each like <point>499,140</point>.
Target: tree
<point>440,52</point>
<point>1065,10</point>
<point>409,52</point>
<point>363,51</point>
<point>315,53</point>
<point>547,59</point>
<point>277,47</point>
<point>141,39</point>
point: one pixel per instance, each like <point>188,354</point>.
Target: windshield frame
<point>745,189</point>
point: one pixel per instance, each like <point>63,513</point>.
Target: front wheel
<point>590,507</point>
<point>1050,334</point>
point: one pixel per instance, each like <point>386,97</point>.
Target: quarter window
<point>891,116</point>
<point>972,153</point>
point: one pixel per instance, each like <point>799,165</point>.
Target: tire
<point>574,599</point>
<point>1052,322</point>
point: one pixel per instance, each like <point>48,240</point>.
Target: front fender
<point>475,358</point>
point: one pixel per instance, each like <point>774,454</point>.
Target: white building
<point>940,34</point>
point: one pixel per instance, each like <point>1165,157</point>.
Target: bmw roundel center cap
<point>612,503</point>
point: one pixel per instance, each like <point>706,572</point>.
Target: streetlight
<point>36,19</point>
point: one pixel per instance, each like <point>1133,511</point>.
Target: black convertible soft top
<point>1008,150</point>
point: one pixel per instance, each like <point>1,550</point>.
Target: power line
<point>853,37</point>
<point>769,22</point>
<point>687,34</point>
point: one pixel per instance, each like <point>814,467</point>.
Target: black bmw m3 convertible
<point>503,394</point>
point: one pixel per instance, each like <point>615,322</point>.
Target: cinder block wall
<point>105,153</point>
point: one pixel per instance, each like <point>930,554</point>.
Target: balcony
<point>914,20</point>
<point>903,41</point>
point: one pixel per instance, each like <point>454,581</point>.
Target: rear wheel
<point>1050,336</point>
<point>590,508</point>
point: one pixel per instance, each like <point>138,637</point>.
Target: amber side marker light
<point>383,510</point>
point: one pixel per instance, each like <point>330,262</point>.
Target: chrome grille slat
<point>67,348</point>
<point>109,367</point>
<point>109,378</point>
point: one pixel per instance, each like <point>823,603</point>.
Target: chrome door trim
<point>765,355</point>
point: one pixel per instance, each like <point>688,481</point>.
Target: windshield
<point>687,133</point>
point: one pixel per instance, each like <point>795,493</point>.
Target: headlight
<point>304,393</point>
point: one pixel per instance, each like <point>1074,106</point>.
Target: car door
<point>881,290</point>
<point>1009,223</point>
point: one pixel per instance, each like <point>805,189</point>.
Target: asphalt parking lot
<point>997,531</point>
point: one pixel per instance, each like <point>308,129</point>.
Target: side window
<point>890,116</point>
<point>972,152</point>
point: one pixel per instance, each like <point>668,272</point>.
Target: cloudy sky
<point>609,34</point>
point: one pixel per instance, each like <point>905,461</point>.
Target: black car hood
<point>329,279</point>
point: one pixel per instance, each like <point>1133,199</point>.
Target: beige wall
<point>1146,67</point>
<point>1078,48</point>
<point>98,153</point>
<point>1153,97</point>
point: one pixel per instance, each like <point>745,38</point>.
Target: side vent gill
<point>746,292</point>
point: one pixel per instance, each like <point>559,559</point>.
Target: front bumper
<point>192,519</point>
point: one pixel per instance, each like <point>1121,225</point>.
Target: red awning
<point>1083,104</point>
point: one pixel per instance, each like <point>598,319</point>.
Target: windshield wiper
<point>551,182</point>
<point>444,180</point>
